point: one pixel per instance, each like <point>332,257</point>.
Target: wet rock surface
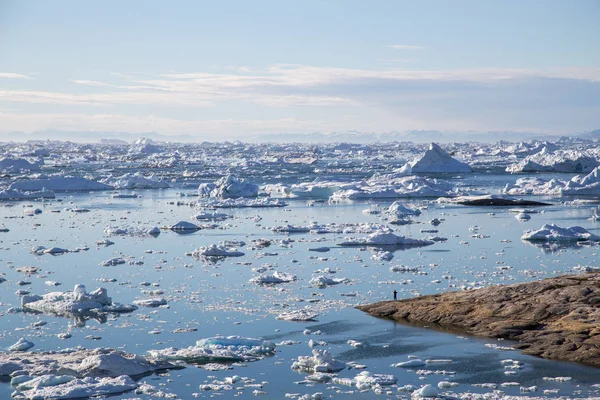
<point>556,318</point>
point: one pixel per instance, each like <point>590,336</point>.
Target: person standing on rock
<point>395,295</point>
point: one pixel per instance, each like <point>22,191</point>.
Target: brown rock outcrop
<point>556,318</point>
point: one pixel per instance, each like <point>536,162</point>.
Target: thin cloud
<point>405,47</point>
<point>11,75</point>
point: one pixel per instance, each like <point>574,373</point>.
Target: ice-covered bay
<point>211,297</point>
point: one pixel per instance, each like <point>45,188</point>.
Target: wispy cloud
<point>405,47</point>
<point>11,75</point>
<point>381,99</point>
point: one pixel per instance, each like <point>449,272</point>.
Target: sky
<point>233,68</point>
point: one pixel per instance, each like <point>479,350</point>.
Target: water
<point>216,298</point>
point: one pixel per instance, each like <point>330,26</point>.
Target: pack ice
<point>218,349</point>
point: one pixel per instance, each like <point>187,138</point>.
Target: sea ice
<point>228,187</point>
<point>320,361</point>
<point>219,349</point>
<point>385,239</point>
<point>75,301</point>
<point>554,233</point>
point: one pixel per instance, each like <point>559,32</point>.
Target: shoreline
<point>555,318</point>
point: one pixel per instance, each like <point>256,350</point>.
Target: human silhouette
<point>395,295</point>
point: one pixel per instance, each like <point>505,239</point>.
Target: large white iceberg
<point>134,181</point>
<point>554,233</point>
<point>215,250</point>
<point>275,278</point>
<point>228,187</point>
<point>436,160</point>
<point>557,161</point>
<point>584,185</point>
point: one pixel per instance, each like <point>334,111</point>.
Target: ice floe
<point>385,239</point>
<point>554,233</point>
<point>555,161</point>
<point>228,187</point>
<point>134,181</point>
<point>320,361</point>
<point>218,349</point>
<point>75,301</point>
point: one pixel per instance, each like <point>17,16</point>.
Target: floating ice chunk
<point>276,277</point>
<point>113,261</point>
<point>75,301</point>
<point>302,315</point>
<point>554,233</point>
<point>382,256</point>
<point>219,349</point>
<point>320,361</point>
<point>184,226</point>
<point>214,250</point>
<point>291,229</point>
<point>399,210</point>
<point>135,181</point>
<point>130,230</point>
<point>211,216</point>
<point>21,345</point>
<point>244,203</point>
<point>323,281</point>
<point>228,187</point>
<point>68,387</point>
<point>60,184</point>
<point>386,239</point>
<point>415,362</point>
<point>436,160</point>
<point>367,380</point>
<point>522,217</point>
<point>102,362</point>
<point>154,302</point>
<point>424,392</point>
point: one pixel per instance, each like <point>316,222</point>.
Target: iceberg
<point>72,302</point>
<point>557,161</point>
<point>323,281</point>
<point>214,250</point>
<point>554,233</point>
<point>303,315</point>
<point>134,181</point>
<point>436,161</point>
<point>228,187</point>
<point>275,278</point>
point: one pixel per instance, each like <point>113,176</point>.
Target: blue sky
<point>235,68</point>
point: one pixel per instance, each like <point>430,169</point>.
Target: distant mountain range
<point>316,137</point>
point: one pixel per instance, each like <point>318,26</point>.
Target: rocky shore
<point>556,318</point>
